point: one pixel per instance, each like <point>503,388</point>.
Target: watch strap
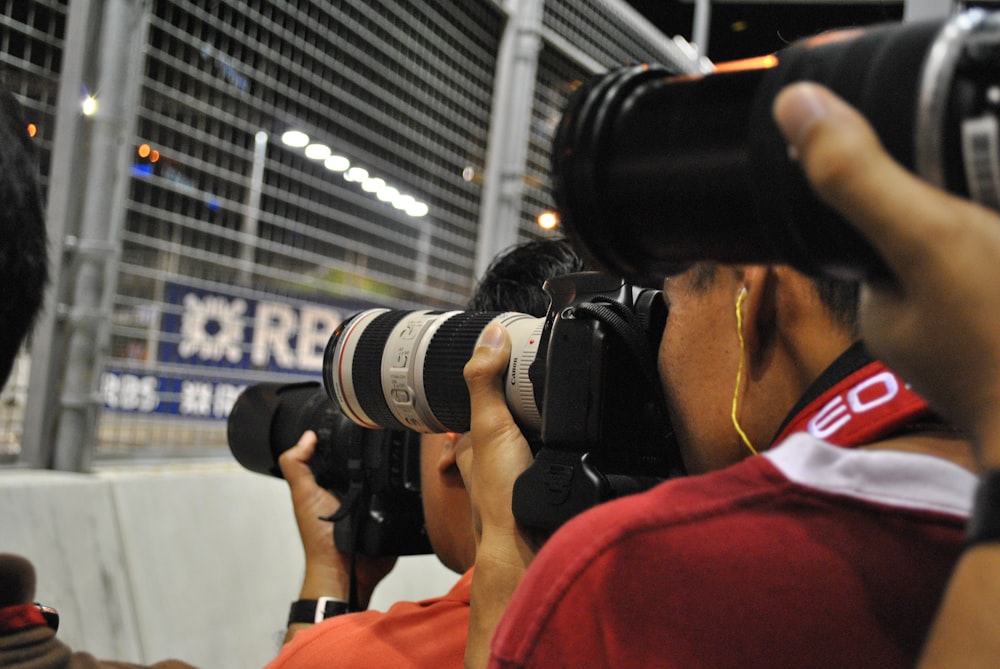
<point>984,522</point>
<point>312,611</point>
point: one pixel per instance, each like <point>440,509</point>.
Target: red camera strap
<point>869,404</point>
<point>20,617</point>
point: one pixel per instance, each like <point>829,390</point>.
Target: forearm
<point>967,628</point>
<point>327,581</point>
<point>966,631</point>
<point>500,566</point>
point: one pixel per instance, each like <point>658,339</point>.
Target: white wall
<point>194,562</point>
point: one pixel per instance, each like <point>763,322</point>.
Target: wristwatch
<point>314,610</point>
<point>984,522</point>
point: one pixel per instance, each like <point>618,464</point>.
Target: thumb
<point>847,166</point>
<point>484,375</point>
<point>294,462</point>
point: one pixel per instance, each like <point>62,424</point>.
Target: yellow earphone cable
<point>739,371</point>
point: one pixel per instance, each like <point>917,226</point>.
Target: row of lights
<point>352,173</point>
<point>547,220</point>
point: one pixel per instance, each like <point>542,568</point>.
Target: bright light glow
<point>403,201</point>
<point>89,106</point>
<point>336,163</point>
<point>154,155</point>
<point>373,185</point>
<point>387,194</point>
<point>468,173</point>
<point>417,209</point>
<point>356,174</point>
<point>32,130</point>
<point>547,220</point>
<point>317,151</point>
<point>295,138</point>
<point>144,150</point>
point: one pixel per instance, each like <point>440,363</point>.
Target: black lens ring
<point>449,349</point>
<point>366,369</point>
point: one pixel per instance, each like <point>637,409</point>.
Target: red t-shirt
<point>808,556</point>
<point>429,634</point>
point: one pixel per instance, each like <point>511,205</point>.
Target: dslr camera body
<point>375,474</point>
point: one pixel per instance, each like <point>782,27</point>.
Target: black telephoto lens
<point>269,418</point>
<point>652,171</point>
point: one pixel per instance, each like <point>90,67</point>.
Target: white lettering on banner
<point>207,399</point>
<point>129,392</point>
<point>225,398</point>
<point>273,329</point>
<point>839,411</point>
<point>213,328</point>
<point>196,398</point>
<point>197,336</point>
<point>315,327</point>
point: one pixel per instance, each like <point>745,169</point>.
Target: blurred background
<point>226,181</point>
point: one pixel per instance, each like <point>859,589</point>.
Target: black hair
<point>23,243</point>
<point>513,281</point>
<point>841,298</point>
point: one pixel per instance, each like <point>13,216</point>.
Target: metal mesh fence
<point>241,252</point>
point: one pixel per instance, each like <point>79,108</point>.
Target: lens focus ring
<point>443,380</point>
<point>366,369</point>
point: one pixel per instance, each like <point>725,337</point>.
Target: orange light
<point>832,36</point>
<point>32,130</point>
<point>547,220</point>
<point>144,150</point>
<point>755,63</point>
<point>154,155</point>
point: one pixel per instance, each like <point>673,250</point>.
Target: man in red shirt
<point>830,549</point>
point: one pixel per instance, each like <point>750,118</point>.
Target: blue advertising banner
<point>218,338</point>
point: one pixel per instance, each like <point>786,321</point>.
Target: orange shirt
<point>430,633</point>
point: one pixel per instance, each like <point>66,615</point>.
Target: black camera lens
<point>653,171</point>
<point>374,473</point>
<point>269,418</point>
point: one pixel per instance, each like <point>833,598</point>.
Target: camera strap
<point>350,512</point>
<point>856,401</point>
<point>623,322</point>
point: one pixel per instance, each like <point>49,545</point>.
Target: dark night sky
<point>743,29</point>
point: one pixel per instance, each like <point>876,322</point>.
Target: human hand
<point>497,452</point>
<point>490,461</point>
<point>938,323</point>
<point>17,580</point>
<point>328,569</point>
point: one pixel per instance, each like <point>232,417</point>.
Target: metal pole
<point>919,10</point>
<point>251,210</point>
<point>97,248</point>
<point>702,21</point>
<point>510,126</point>
<point>64,191</point>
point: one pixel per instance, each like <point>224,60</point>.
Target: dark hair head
<point>23,243</point>
<point>841,299</point>
<point>513,282</point>
<point>838,296</point>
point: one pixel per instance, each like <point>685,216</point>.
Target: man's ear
<point>759,310</point>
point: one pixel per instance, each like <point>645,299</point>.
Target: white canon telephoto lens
<point>404,369</point>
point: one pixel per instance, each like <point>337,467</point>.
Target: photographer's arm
<point>498,455</point>
<point>938,324</point>
<point>327,572</point>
